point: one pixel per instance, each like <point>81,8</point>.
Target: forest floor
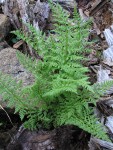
<point>65,137</point>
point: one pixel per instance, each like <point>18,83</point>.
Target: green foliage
<point>15,40</point>
<point>61,93</point>
<point>1,124</point>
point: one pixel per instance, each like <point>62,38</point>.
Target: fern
<point>61,93</point>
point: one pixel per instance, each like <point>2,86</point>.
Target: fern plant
<point>61,93</point>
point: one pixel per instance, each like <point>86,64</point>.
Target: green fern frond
<point>101,88</point>
<point>11,92</point>
<point>28,63</point>
<point>61,92</point>
<point>74,113</point>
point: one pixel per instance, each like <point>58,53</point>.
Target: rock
<point>3,44</point>
<point>4,26</point>
<point>10,65</point>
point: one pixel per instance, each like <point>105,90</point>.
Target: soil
<point>7,129</point>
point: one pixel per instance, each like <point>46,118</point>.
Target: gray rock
<point>4,26</point>
<point>9,64</point>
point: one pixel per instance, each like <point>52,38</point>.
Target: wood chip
<point>18,44</point>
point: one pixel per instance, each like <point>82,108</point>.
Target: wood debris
<point>96,6</point>
<point>96,144</point>
<point>18,44</point>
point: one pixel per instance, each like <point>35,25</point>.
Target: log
<point>10,9</point>
<point>96,144</point>
<point>23,10</point>
<point>2,1</point>
<point>27,11</point>
<point>35,13</point>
